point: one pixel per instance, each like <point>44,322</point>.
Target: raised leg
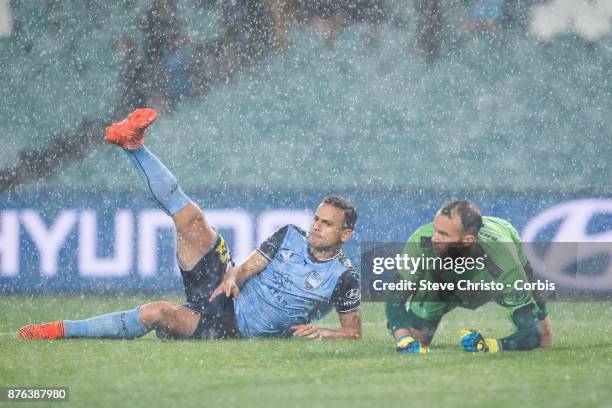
<point>194,236</point>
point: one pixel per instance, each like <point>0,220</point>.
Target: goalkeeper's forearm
<point>397,317</point>
<point>528,333</point>
<point>395,309</point>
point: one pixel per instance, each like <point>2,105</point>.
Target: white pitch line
<point>8,334</point>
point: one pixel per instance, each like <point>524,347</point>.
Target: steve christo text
<point>462,285</point>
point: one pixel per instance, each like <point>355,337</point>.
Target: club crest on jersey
<point>286,254</point>
<point>313,280</point>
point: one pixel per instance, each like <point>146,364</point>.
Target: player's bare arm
<point>235,277</point>
<point>350,328</point>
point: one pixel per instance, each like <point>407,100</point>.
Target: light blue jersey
<point>294,288</point>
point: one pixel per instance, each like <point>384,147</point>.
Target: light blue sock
<point>158,180</point>
<point>118,325</point>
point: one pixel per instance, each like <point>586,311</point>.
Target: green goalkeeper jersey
<point>500,249</point>
<point>503,264</point>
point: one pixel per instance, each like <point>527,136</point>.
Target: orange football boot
<point>48,331</point>
<point>130,132</point>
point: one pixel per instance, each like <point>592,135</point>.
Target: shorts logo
<point>223,251</point>
<point>569,242</point>
<point>313,280</point>
<point>353,294</point>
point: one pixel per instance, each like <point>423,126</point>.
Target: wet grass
<point>147,372</point>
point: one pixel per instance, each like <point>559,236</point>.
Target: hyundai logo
<point>571,244</point>
<point>353,294</point>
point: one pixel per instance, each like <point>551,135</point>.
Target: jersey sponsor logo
<point>350,303</point>
<point>281,280</point>
<point>313,280</point>
<point>353,294</point>
<point>572,240</point>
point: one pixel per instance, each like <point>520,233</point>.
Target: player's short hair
<point>350,214</point>
<point>471,220</point>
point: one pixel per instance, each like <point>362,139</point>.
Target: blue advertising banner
<point>121,243</point>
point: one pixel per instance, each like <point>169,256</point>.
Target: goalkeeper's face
<point>328,231</point>
<point>449,234</point>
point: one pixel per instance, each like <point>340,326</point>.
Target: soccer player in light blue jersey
<point>291,280</point>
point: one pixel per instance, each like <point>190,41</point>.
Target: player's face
<point>327,229</point>
<point>448,232</point>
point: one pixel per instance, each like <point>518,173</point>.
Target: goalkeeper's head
<point>456,227</point>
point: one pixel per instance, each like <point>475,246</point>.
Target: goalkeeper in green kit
<point>459,231</point>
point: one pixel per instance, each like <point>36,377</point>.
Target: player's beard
<point>456,250</point>
<point>325,249</point>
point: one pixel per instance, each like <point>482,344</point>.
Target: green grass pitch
<point>146,372</point>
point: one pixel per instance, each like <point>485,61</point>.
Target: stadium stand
<point>353,116</point>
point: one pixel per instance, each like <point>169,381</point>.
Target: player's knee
<point>191,221</point>
<point>192,229</point>
<point>422,337</point>
<point>168,312</point>
<point>190,218</point>
<point>156,313</point>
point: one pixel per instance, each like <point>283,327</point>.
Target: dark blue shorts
<point>217,319</point>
